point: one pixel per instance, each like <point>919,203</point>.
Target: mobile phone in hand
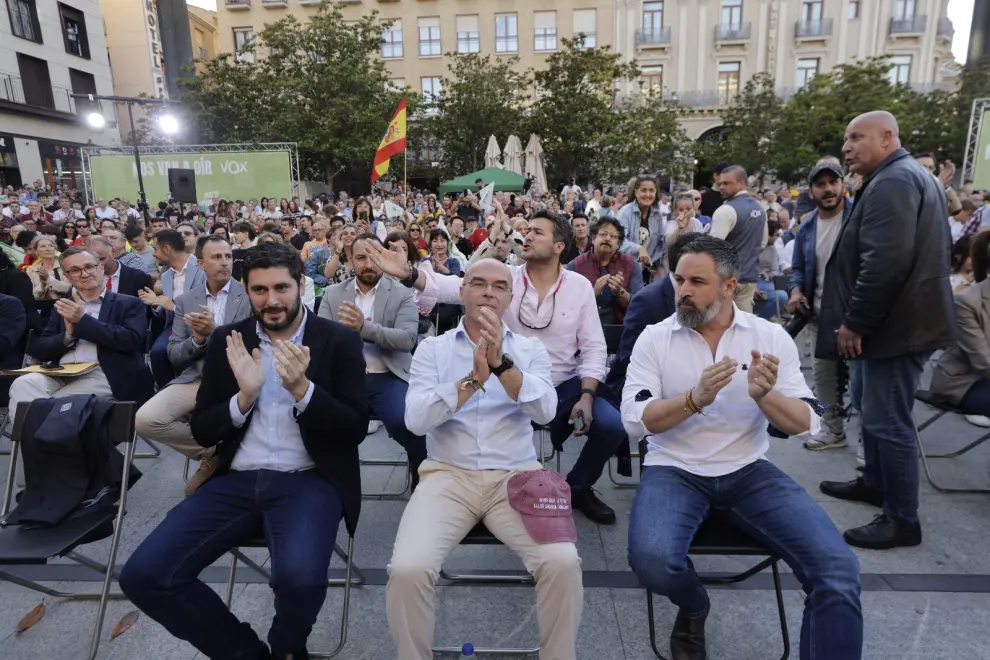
<point>579,422</point>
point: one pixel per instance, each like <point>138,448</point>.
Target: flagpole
<point>405,186</point>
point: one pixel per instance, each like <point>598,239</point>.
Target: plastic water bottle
<point>467,650</point>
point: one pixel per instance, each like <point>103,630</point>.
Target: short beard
<point>372,282</point>
<point>290,317</point>
<point>695,318</point>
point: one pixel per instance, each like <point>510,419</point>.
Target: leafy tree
<point>751,125</point>
<point>319,83</point>
<point>653,140</point>
<point>482,96</point>
<point>574,113</point>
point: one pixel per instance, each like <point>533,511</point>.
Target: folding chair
<point>943,408</point>
<point>403,462</point>
<point>347,581</point>
<point>718,537</point>
<point>542,430</point>
<point>38,546</point>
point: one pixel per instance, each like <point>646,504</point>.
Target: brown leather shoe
<point>207,467</point>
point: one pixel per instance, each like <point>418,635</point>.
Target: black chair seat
<point>479,535</point>
<point>936,401</point>
<point>718,537</point>
<point>36,546</point>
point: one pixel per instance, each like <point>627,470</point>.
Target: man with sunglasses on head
<point>558,307</point>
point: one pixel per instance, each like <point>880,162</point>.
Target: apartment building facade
<point>204,34</point>
<point>50,50</point>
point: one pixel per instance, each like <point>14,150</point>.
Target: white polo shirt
<point>667,361</point>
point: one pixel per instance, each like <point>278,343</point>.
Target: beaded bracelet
<point>691,405</point>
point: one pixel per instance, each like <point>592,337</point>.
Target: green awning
<point>504,180</point>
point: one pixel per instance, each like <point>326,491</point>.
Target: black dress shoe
<point>884,533</point>
<point>853,491</point>
<point>687,640</point>
<point>593,508</point>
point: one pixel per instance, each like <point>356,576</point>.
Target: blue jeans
<point>976,401</point>
<point>387,396</point>
<point>765,503</point>
<point>604,436</point>
<point>297,512</point>
<point>890,447</point>
<point>768,308</point>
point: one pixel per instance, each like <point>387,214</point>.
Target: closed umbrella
<point>534,164</point>
<point>512,157</point>
<point>493,155</point>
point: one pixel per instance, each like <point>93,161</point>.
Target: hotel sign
<point>155,48</point>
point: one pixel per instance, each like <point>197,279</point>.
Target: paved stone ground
<point>925,603</point>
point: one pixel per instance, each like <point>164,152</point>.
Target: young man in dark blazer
<point>283,399</point>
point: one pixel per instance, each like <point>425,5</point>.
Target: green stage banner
<point>230,175</point>
<point>981,159</point>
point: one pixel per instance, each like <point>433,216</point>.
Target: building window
<point>852,9</point>
<point>903,10</point>
<point>428,152</point>
<point>652,18</point>
<point>83,83</point>
<point>651,79</point>
<point>392,42</point>
<point>24,20</point>
<point>244,45</point>
<point>506,33</point>
<point>585,22</point>
<point>811,12</point>
<point>728,81</point>
<point>807,68</point>
<point>429,37</point>
<point>545,31</point>
<point>468,40</point>
<point>432,89</point>
<point>732,14</point>
<point>36,81</point>
<point>900,70</point>
<point>74,31</point>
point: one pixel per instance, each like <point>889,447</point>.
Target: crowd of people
<point>259,338</point>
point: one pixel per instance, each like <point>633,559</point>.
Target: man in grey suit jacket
<point>385,315</point>
<point>217,301</point>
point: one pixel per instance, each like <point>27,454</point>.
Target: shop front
<point>10,173</point>
<point>62,165</point>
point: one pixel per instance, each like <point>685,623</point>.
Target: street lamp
<point>167,123</point>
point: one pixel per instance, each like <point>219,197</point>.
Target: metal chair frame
<point>771,561</point>
<point>347,582</point>
<point>386,462</point>
<point>497,577</point>
<point>941,412</point>
<point>127,409</point>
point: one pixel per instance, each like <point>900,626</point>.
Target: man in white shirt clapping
<point>473,392</point>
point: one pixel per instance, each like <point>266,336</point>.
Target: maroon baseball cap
<point>543,499</point>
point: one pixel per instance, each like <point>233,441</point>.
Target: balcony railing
<point>659,36</point>
<point>237,4</point>
<point>274,3</point>
<point>945,28</point>
<point>813,29</point>
<point>732,32</point>
<point>915,25</point>
<point>59,100</point>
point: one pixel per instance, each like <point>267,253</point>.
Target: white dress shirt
<point>85,351</point>
<point>374,364</point>
<point>667,361</point>
<point>106,212</point>
<point>490,431</point>
<point>566,321</point>
<point>273,440</point>
<point>115,280</point>
<point>179,278</point>
<point>217,304</point>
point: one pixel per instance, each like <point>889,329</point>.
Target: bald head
<point>487,284</point>
<point>870,138</point>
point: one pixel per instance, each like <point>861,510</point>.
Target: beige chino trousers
<point>165,419</point>
<point>448,502</point>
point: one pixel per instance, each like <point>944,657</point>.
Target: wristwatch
<point>507,364</point>
<point>413,276</point>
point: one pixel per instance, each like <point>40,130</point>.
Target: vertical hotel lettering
<point>155,48</point>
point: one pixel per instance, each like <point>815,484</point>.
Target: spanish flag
<point>393,143</point>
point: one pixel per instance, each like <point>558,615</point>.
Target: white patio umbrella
<point>534,164</point>
<point>512,156</point>
<point>493,154</point>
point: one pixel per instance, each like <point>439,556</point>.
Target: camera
<point>797,323</point>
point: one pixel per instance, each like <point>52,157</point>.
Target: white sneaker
<point>825,440</point>
<point>978,420</point>
<point>373,426</point>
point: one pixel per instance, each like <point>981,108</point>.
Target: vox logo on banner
<point>244,175</point>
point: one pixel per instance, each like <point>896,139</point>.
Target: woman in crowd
<point>271,212</point>
<point>107,224</point>
<point>48,281</point>
<point>309,208</point>
<point>69,232</point>
<point>416,236</point>
<point>339,266</point>
<point>293,208</point>
<point>440,259</point>
<point>225,211</point>
<point>319,232</point>
<point>643,211</point>
<point>220,229</point>
<point>431,210</point>
<point>962,264</point>
<point>962,374</point>
<point>521,225</point>
<point>55,233</point>
<point>283,206</point>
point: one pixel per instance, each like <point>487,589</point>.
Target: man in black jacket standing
<point>886,306</point>
<point>283,399</point>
